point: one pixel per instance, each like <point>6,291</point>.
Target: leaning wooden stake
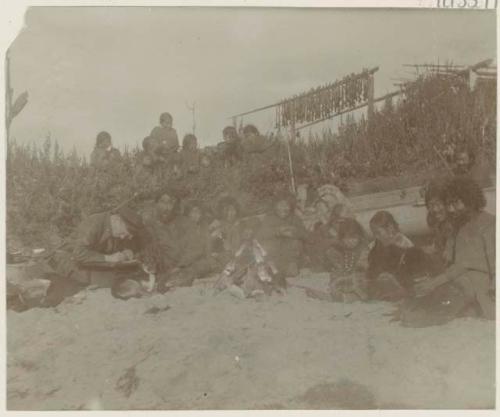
<point>8,96</point>
<point>443,160</point>
<point>371,97</point>
<point>292,138</point>
<point>12,109</point>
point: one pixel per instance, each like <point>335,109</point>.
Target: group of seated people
<point>168,243</point>
<point>162,152</point>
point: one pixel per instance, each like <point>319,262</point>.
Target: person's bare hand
<point>286,231</point>
<point>115,257</point>
<point>425,286</point>
<point>128,254</point>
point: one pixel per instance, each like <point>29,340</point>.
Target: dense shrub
<point>48,191</point>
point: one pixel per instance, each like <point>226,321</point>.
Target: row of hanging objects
<point>324,101</point>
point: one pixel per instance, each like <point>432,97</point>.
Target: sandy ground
<point>191,350</point>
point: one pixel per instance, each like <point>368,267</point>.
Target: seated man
<point>471,165</point>
<point>104,250</point>
<point>469,282</point>
<point>165,227</point>
<point>439,222</point>
<point>193,258</point>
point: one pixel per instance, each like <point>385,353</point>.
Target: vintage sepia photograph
<point>251,208</point>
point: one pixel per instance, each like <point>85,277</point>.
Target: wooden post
<point>371,97</point>
<point>8,96</point>
<point>290,163</point>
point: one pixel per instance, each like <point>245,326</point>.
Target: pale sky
<point>89,69</point>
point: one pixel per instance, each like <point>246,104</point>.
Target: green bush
<point>48,191</point>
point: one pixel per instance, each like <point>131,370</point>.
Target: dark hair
<point>350,228</point>
<point>285,196</point>
<point>190,205</point>
<point>189,139</point>
<point>466,190</point>
<point>250,130</point>
<point>435,190</point>
<point>384,219</point>
<point>102,137</point>
<point>336,210</point>
<point>225,202</point>
<point>230,131</point>
<point>146,142</point>
<point>131,219</point>
<point>464,148</point>
<point>165,116</point>
<point>172,194</point>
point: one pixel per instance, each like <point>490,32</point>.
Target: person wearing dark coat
<point>105,249</point>
<point>472,272</point>
<point>283,235</point>
<point>164,136</point>
<point>104,153</point>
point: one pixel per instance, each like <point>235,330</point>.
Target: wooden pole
<point>8,96</point>
<point>371,97</point>
<point>192,109</point>
<point>290,163</point>
<point>443,160</point>
<point>194,118</point>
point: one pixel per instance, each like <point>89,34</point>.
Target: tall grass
<point>49,191</point>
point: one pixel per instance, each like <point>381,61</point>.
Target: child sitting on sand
<point>283,235</point>
<point>393,262</point>
<point>325,235</point>
<point>346,262</point>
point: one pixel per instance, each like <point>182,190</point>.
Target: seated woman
<point>282,235</point>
